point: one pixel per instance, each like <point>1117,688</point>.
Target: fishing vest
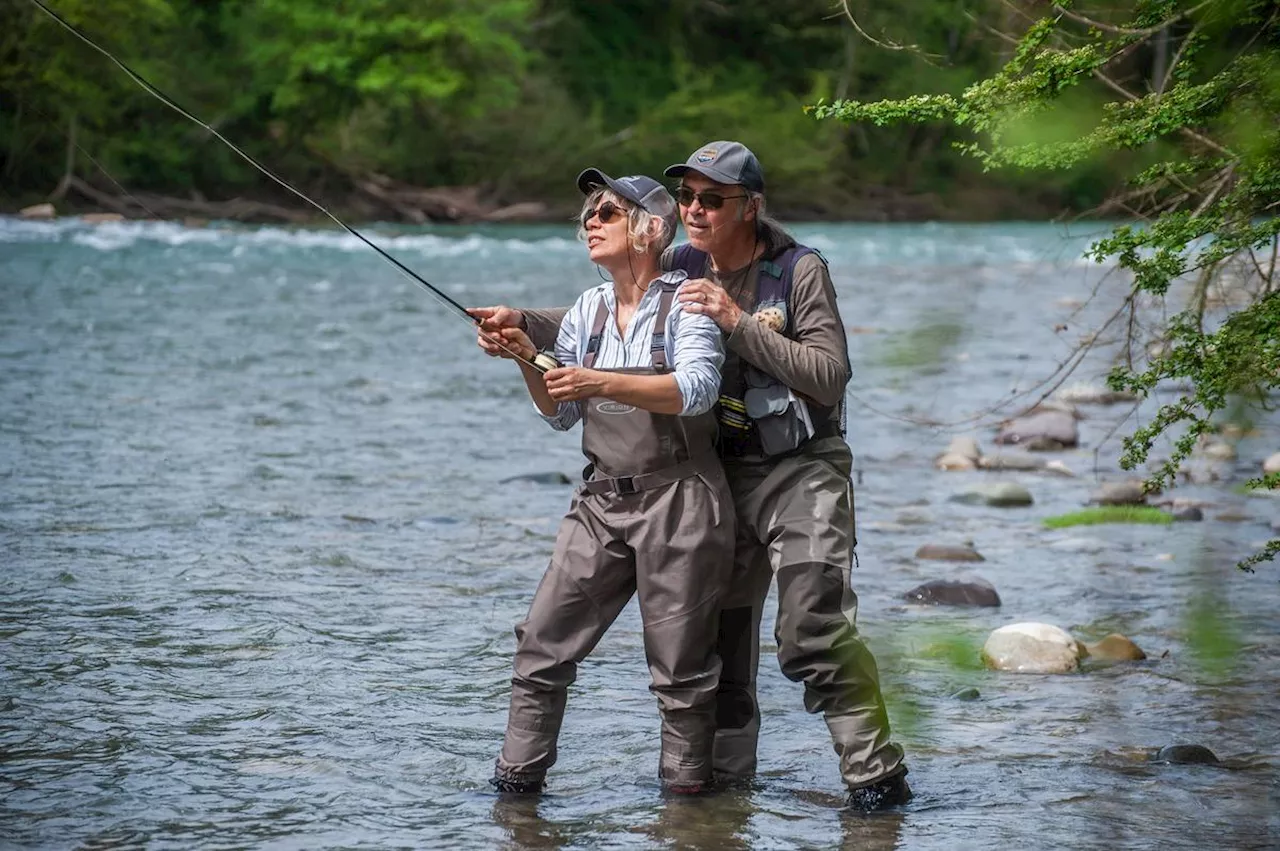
<point>759,415</point>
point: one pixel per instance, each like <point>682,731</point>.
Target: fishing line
<point>537,363</point>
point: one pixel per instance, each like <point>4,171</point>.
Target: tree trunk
<point>70,171</point>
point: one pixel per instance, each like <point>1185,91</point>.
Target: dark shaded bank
<point>387,201</point>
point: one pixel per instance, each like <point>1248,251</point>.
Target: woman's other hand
<point>574,383</point>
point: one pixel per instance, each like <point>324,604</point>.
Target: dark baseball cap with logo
<point>645,192</point>
<point>724,162</point>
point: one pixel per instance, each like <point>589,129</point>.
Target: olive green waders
<point>653,518</point>
<point>795,520</point>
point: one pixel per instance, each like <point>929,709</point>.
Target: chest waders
<point>794,504</point>
<point>653,518</point>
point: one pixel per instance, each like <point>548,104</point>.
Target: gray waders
<point>795,520</point>
<point>654,518</point>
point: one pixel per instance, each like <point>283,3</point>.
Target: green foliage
<point>1182,94</point>
<point>512,95</point>
<point>1109,514</point>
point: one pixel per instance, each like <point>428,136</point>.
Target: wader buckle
<point>625,485</point>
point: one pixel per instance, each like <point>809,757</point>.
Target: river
<point>261,566</point>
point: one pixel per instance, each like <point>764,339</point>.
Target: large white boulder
<point>1032,648</point>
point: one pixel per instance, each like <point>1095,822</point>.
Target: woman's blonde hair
<point>644,229</point>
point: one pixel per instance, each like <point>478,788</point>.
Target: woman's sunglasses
<point>709,200</point>
<point>605,212</point>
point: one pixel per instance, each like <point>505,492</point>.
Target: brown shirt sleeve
<point>816,363</point>
<point>543,325</point>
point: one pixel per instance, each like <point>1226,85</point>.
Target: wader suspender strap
<point>597,329</point>
<point>657,349</point>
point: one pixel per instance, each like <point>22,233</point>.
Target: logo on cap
<point>706,155</point>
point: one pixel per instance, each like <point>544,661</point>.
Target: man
<point>782,438</point>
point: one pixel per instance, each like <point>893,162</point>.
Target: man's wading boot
<point>885,794</point>
<point>516,787</point>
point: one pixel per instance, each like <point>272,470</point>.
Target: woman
<point>653,514</point>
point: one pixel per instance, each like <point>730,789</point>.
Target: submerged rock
<point>950,592</point>
<point>1186,755</point>
<point>1115,648</point>
<point>1015,460</point>
<point>1032,648</point>
<point>1188,514</point>
<point>1127,492</point>
<point>949,552</point>
<point>101,218</point>
<point>1001,495</point>
<point>553,478</point>
<point>1041,430</point>
<point>969,693</point>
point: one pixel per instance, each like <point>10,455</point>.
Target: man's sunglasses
<point>605,212</point>
<point>709,200</point>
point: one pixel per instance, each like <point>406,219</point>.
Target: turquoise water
<point>261,565</point>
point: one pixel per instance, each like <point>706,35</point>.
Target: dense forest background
<point>355,99</point>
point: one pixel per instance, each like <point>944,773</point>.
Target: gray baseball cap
<point>645,192</point>
<point>724,162</point>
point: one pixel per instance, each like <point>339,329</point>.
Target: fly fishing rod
<point>542,361</point>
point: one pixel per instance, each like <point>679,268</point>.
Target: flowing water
<point>261,563</point>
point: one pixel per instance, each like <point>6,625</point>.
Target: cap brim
<point>592,179</point>
<point>681,169</point>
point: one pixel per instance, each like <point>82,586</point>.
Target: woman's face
<point>606,228</point>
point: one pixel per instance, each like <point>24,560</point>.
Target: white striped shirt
<point>695,347</point>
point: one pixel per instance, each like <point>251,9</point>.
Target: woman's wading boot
<point>516,787</point>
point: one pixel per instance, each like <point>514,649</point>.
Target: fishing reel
<point>546,361</point>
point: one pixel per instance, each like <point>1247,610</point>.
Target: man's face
<point>711,226</point>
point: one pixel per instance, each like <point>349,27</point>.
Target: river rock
<point>965,446</point>
<point>553,478</point>
<point>1001,495</point>
<point>101,218</point>
<point>1032,648</point>
<point>951,462</point>
<point>967,693</point>
<point>1014,460</point>
<point>952,592</point>
<point>1233,515</point>
<point>949,552</point>
<point>1271,465</point>
<point>1127,492</point>
<point>1218,450</point>
<point>1089,394</point>
<point>1115,648</point>
<point>1041,430</point>
<point>1187,514</point>
<point>38,211</point>
<point>1186,755</point>
<point>1056,467</point>
<point>961,454</point>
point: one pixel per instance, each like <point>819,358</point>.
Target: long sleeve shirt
<point>815,363</point>
<point>694,346</point>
